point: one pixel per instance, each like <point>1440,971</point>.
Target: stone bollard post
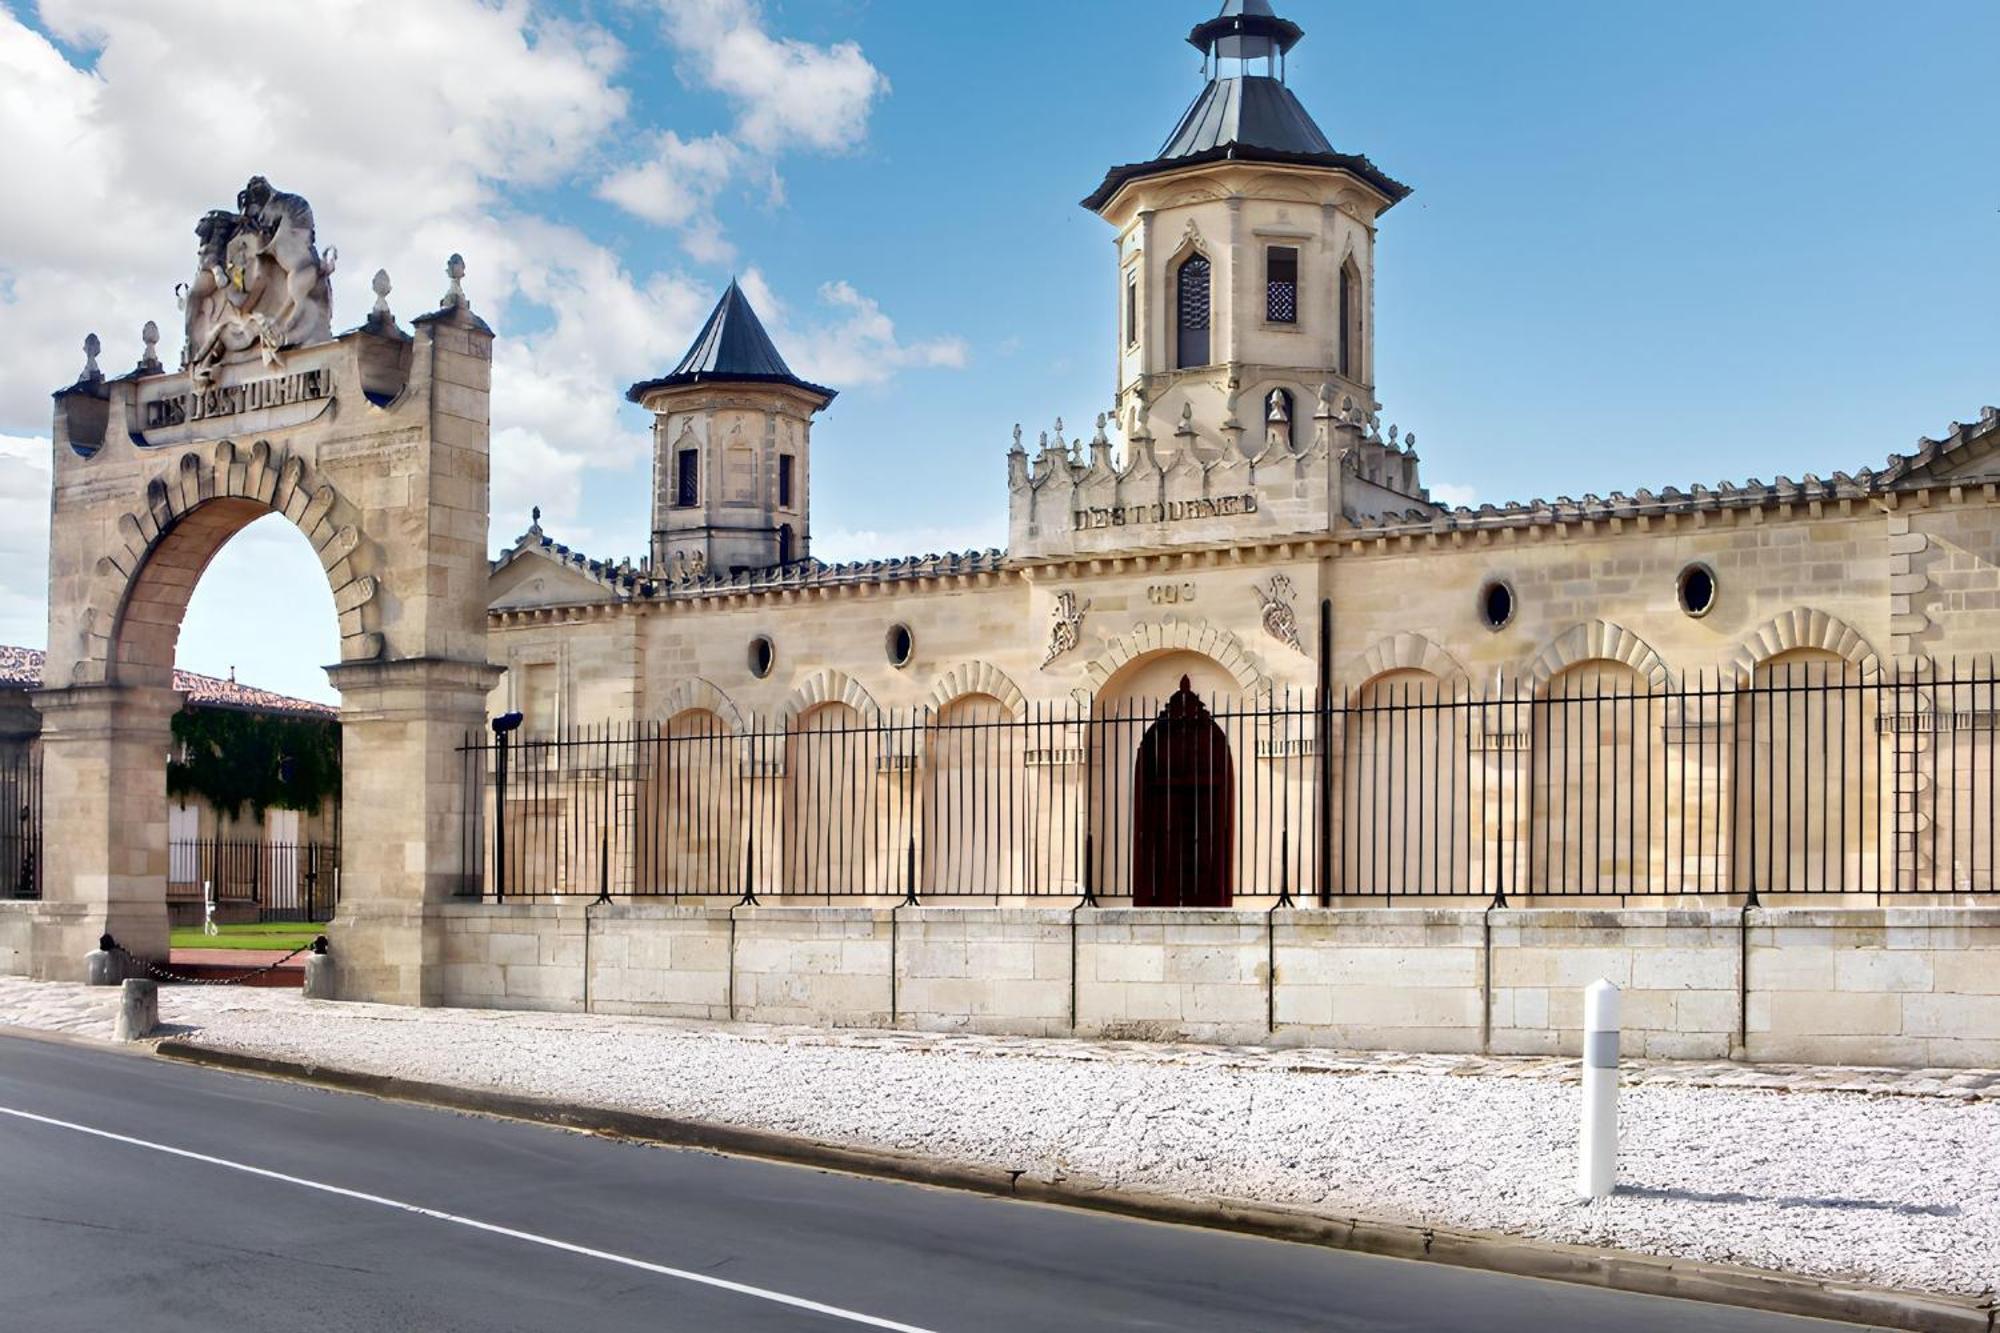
<point>138,1008</point>
<point>319,972</point>
<point>1597,1144</point>
<point>101,965</point>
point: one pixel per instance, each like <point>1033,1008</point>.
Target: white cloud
<point>836,545</point>
<point>414,129</point>
<point>676,187</point>
<point>788,93</point>
<point>853,344</point>
<point>790,96</point>
<point>1446,493</point>
<point>24,539</point>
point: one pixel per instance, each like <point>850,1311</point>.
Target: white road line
<point>740,1288</point>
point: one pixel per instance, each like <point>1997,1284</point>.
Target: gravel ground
<point>1878,1176</point>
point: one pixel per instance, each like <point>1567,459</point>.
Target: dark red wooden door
<point>1184,812</point>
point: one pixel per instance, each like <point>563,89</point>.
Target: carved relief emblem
<point>1280,622</point>
<point>260,285</point>
<point>1066,627</point>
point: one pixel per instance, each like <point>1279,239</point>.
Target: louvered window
<point>687,489</point>
<point>1281,284</point>
<point>1192,310</point>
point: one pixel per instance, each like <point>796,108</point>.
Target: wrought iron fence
<point>278,881</point>
<point>21,824</point>
<point>1804,777</point>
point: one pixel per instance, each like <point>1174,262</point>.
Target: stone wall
<point>17,923</point>
<point>1894,986</point>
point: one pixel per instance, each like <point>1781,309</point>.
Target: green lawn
<point>261,935</point>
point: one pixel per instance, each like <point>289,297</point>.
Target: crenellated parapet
<point>1081,497</point>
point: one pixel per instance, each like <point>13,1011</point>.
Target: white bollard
<point>1597,1144</point>
<point>102,966</point>
<point>319,977</point>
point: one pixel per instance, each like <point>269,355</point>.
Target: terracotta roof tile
<point>21,668</point>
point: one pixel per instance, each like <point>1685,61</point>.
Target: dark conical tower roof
<point>732,348</point>
<point>1245,117</point>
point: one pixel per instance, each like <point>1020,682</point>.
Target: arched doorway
<point>1183,808</point>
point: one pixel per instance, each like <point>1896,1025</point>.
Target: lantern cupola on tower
<point>1246,250</point>
<point>732,431</point>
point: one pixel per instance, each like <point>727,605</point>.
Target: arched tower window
<point>1191,307</point>
<point>1350,321</point>
<point>784,543</point>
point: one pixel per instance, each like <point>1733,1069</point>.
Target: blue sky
<point>1648,245</point>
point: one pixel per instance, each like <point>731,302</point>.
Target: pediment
<point>1970,455</point>
<point>535,578</point>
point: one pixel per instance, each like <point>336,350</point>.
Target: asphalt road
<point>533,1228</point>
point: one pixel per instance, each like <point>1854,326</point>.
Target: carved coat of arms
<point>260,285</point>
<point>1065,627</point>
<point>1280,621</point>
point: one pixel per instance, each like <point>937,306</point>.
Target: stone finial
<point>149,361</point>
<point>1410,442</point>
<point>1059,431</point>
<point>380,284</point>
<point>1017,440</point>
<point>91,347</point>
<point>454,268</point>
<point>535,516</point>
<point>1187,420</point>
<point>1100,437</point>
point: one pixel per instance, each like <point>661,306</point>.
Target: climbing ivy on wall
<point>231,758</point>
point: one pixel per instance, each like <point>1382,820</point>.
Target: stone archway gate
<point>375,445</point>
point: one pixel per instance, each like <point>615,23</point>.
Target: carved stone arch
<point>224,491</point>
<point>1191,242</point>
<point>1803,627</point>
<point>976,677</point>
<point>828,686</point>
<point>1403,652</point>
<point>1598,640</point>
<point>1199,636</point>
<point>1278,186</point>
<point>696,694</point>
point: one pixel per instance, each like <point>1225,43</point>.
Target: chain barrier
<point>159,973</point>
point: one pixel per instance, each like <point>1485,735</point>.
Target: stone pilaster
<point>104,823</point>
<point>403,837</point>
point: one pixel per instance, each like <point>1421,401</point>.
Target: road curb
<point>1722,1284</point>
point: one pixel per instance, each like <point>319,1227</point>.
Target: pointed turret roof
<point>732,348</point>
<point>1245,117</point>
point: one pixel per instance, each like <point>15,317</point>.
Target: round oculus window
<point>1496,604</point>
<point>900,644</point>
<point>1696,589</point>
<point>762,656</point>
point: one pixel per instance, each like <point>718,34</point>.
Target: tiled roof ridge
<point>1698,497</point>
<point>629,581</point>
<point>24,667</point>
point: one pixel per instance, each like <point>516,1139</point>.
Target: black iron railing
<point>21,824</point>
<point>279,881</point>
<point>1802,777</point>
